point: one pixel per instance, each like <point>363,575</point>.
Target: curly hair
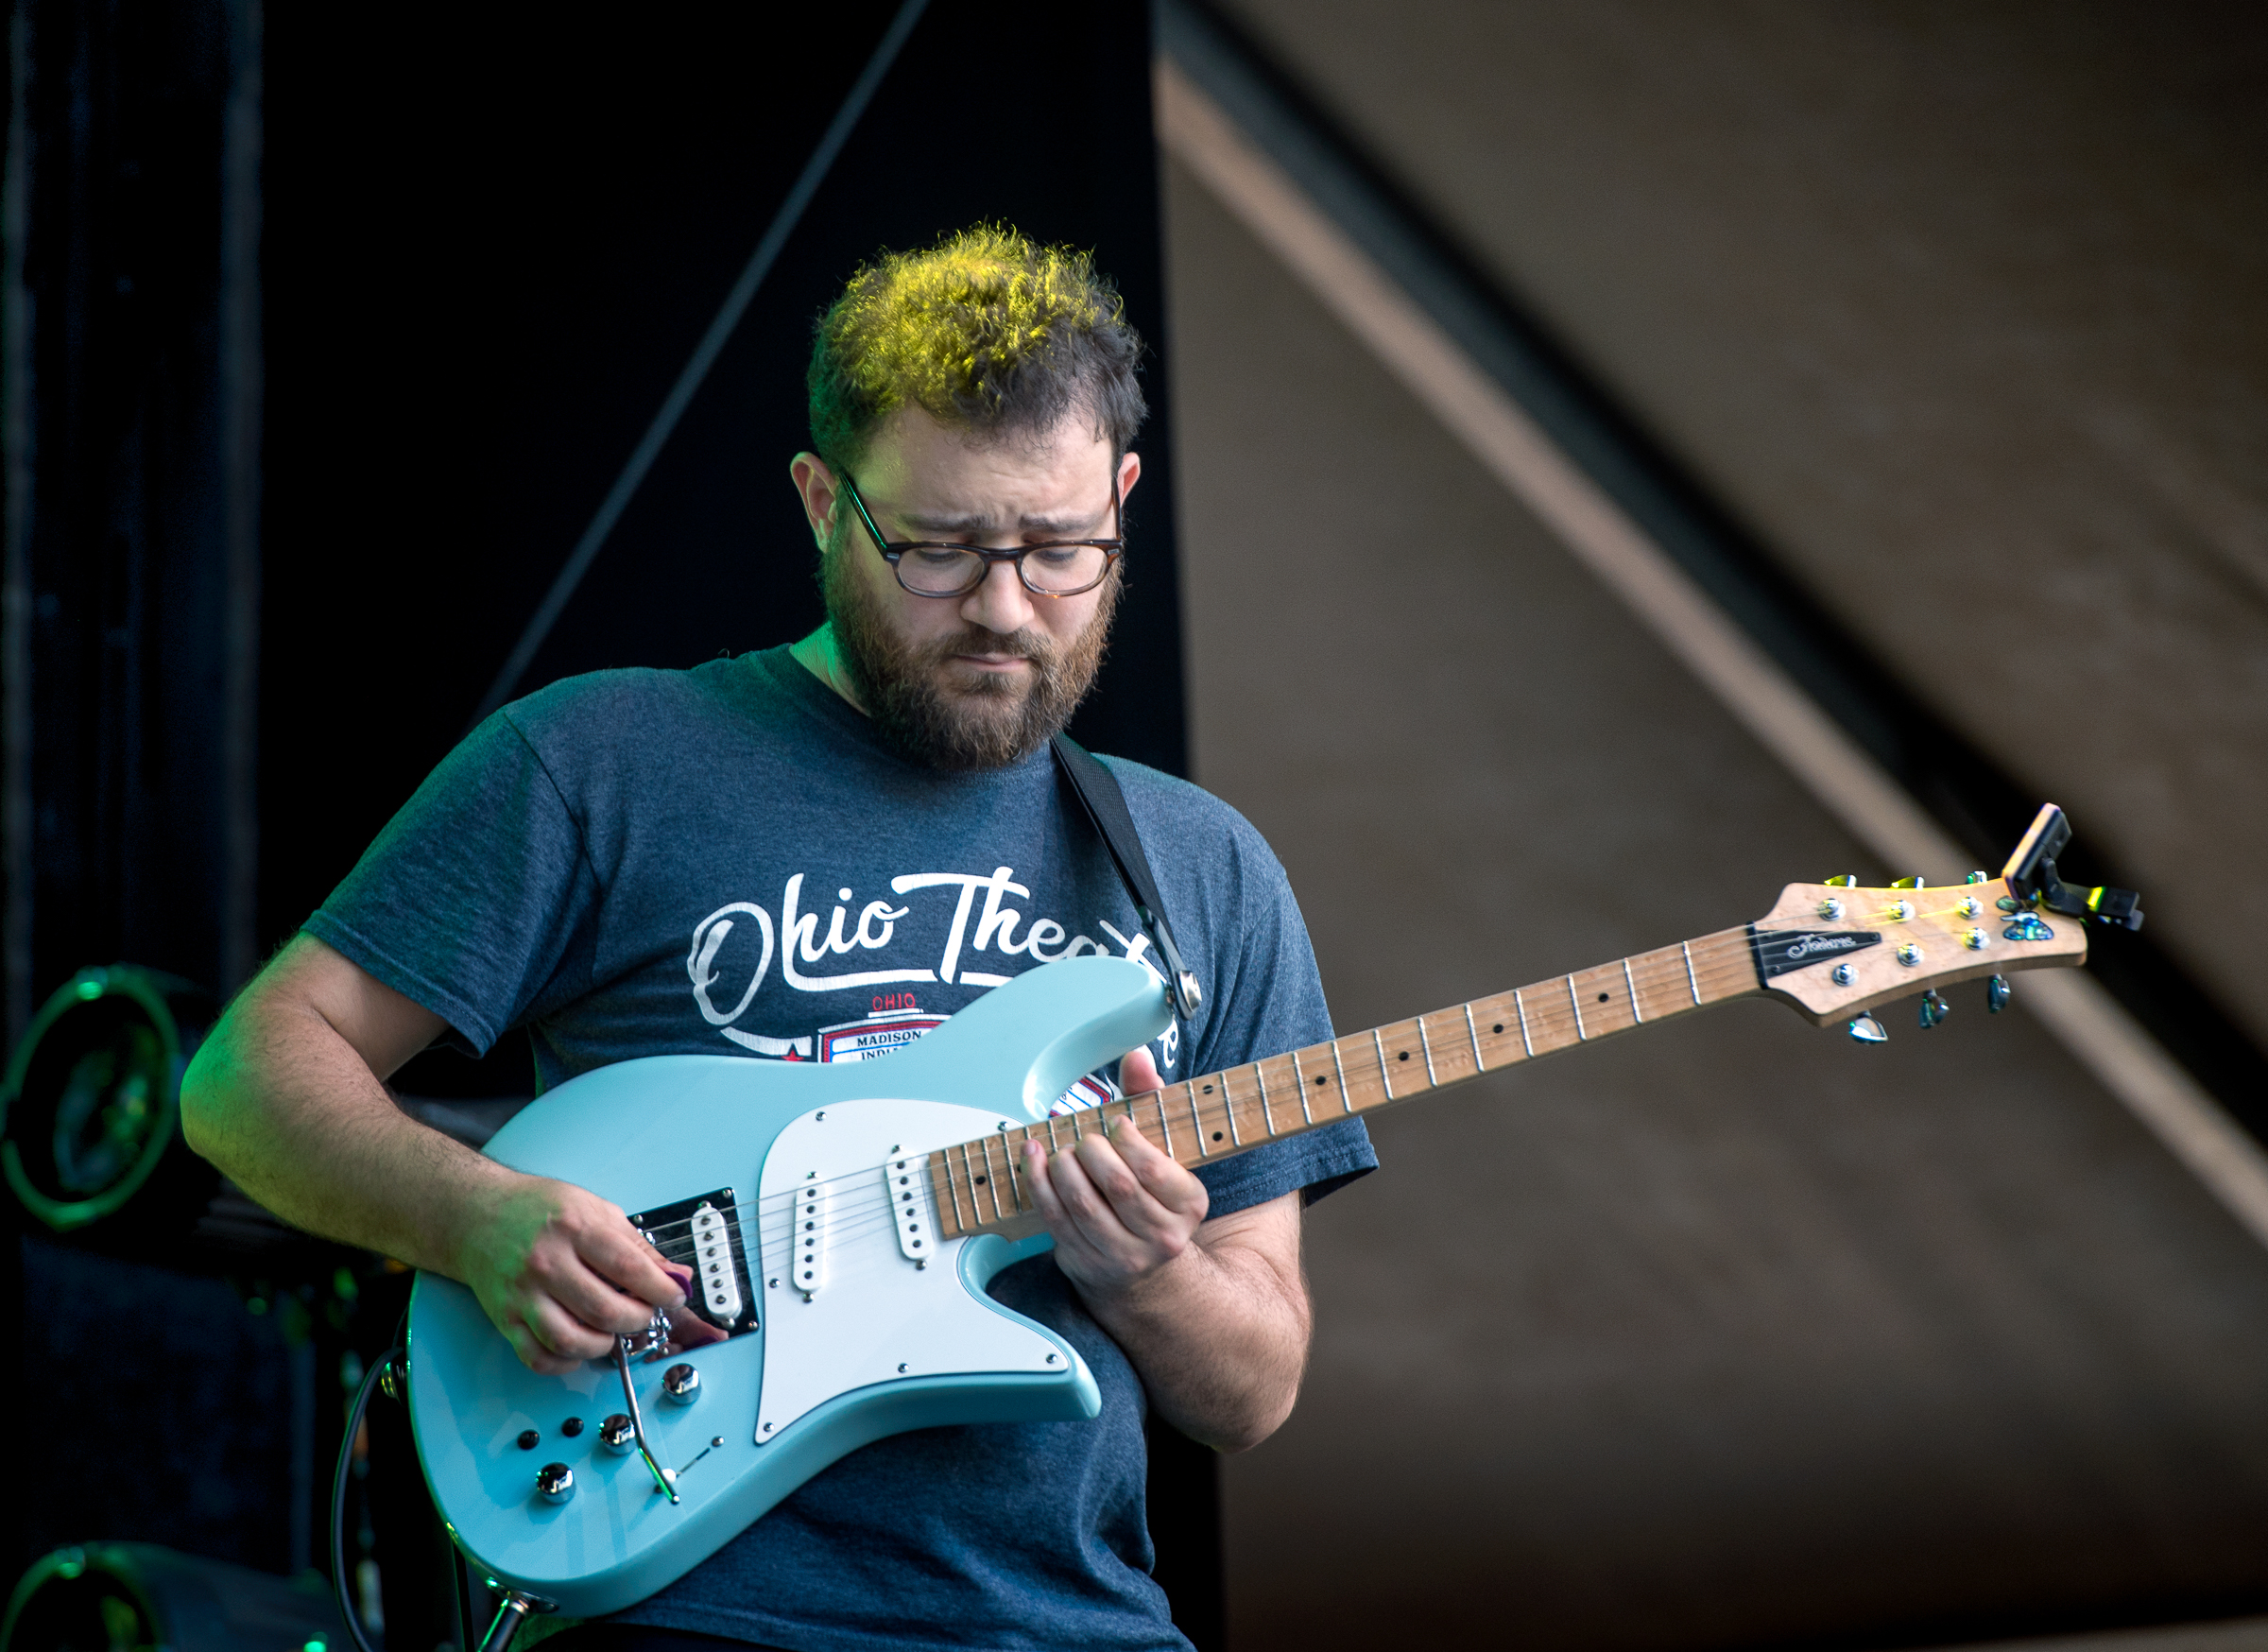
<point>987,331</point>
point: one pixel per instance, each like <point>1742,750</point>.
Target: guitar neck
<point>978,1185</point>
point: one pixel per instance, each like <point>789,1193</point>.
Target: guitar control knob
<point>617,1435</point>
<point>682,1384</point>
<point>555,1482</point>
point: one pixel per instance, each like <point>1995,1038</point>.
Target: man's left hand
<point>1121,1211</point>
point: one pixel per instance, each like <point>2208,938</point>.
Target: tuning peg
<point>1933,1009</point>
<point>1867,1030</point>
<point>1974,878</point>
<point>1909,884</point>
<point>1997,993</point>
<point>1847,881</point>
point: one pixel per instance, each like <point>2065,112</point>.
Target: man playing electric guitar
<point>818,854</point>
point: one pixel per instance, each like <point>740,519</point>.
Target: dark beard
<point>987,724</point>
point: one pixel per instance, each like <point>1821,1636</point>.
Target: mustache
<point>1021,644</point>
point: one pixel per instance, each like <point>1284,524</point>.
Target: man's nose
<point>1000,604</point>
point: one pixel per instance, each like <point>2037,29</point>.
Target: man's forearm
<point>1219,1337</point>
<point>287,1108</point>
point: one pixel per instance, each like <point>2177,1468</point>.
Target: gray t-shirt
<point>645,863</point>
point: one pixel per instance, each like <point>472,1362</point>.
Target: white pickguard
<point>875,1315</point>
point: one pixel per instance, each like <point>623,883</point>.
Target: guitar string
<point>864,1217</point>
<point>1729,962</point>
<point>1542,1021</point>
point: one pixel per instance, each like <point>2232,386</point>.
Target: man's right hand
<point>561,1272</point>
<point>288,1097</point>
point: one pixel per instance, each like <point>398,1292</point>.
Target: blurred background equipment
<point>90,1110</point>
<point>139,1597</point>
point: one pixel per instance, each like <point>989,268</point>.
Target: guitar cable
<point>348,1610</point>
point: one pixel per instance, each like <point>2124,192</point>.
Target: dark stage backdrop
<point>491,248</point>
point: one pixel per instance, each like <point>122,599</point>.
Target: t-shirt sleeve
<point>1267,999</point>
<point>474,899</point>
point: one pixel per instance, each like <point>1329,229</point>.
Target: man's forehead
<point>933,474</point>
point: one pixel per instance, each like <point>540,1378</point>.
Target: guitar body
<point>849,1326</point>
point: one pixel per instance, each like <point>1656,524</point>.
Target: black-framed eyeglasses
<point>1051,568</point>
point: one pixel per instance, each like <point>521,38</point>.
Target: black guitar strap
<point>1106,805</point>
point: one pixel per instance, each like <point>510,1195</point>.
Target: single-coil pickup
<point>809,1247</point>
<point>908,1180</point>
<point>712,1261</point>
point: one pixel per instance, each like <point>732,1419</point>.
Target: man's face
<point>979,680</point>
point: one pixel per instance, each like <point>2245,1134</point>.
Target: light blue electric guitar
<point>844,1219</point>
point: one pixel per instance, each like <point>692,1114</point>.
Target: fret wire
<point>1007,1151</point>
<point>1480,1063</point>
<point>954,1193</point>
<point>1384,1077</point>
<point>1425,1048</point>
<point>1268,1116</point>
<point>1228,1107</point>
<point>993,1172</point>
<point>1577,1003</point>
<point>993,1175</point>
<point>976,1209</point>
<point>1686,947</point>
<point>989,1183</point>
<point>1630,981</point>
<point>1299,1079</point>
<point>1196,1120</point>
<point>1525,1042</point>
<point>1054,1142</point>
<point>1345,1101</point>
<point>1164,1128</point>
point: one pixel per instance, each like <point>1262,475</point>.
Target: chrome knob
<point>618,1435</point>
<point>1830,908</point>
<point>681,1383</point>
<point>1908,954</point>
<point>555,1482</point>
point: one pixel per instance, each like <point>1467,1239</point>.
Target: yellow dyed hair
<point>988,330</point>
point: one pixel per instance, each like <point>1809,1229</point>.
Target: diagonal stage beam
<point>1848,782</point>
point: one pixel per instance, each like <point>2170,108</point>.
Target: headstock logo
<point>1778,950</point>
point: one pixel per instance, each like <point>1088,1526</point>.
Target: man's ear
<point>815,485</point>
<point>1129,472</point>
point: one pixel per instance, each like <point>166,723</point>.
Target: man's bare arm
<point>1213,1314</point>
<point>287,1097</point>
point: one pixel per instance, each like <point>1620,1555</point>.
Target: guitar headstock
<point>1835,950</point>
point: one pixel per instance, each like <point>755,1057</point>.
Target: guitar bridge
<point>703,1234</point>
